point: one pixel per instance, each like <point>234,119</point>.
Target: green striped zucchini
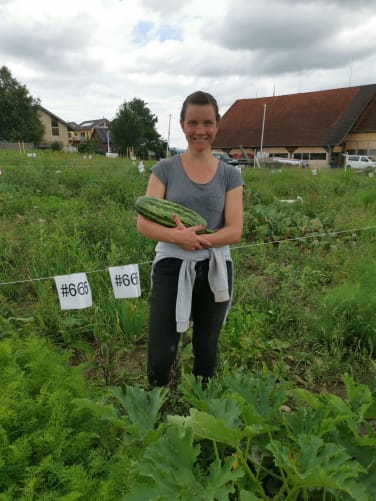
<point>161,211</point>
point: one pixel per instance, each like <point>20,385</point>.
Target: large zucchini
<point>161,211</point>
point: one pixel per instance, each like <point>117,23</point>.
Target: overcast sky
<point>84,58</point>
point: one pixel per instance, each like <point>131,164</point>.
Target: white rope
<point>256,244</point>
<point>312,235</point>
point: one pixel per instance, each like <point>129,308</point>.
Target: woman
<point>192,272</point>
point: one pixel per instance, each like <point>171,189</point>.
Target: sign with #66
<point>125,281</point>
<point>74,291</point>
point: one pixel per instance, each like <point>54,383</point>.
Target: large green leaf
<point>142,407</point>
<point>227,410</point>
<point>170,461</point>
<point>314,464</point>
<point>263,392</point>
<point>344,420</point>
<point>359,397</point>
<point>133,410</point>
<point>199,395</point>
<point>169,471</point>
<point>220,481</point>
<point>249,496</point>
<point>206,426</point>
<point>318,421</point>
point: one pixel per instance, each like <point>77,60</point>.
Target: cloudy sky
<point>84,58</point>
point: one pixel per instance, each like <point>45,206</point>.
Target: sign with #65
<point>125,281</point>
<point>74,291</point>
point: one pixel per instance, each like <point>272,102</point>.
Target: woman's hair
<point>200,98</point>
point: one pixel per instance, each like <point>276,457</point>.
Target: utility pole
<point>262,131</point>
<point>108,142</point>
<point>168,136</point>
<point>351,69</point>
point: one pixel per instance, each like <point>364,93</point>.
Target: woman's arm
<point>232,230</point>
<point>187,238</point>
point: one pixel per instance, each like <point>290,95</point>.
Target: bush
<point>56,146</point>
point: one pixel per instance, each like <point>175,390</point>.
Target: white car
<point>359,162</point>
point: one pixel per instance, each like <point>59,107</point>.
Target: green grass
<point>75,421</point>
<point>63,213</point>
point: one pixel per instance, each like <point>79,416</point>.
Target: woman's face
<point>200,126</point>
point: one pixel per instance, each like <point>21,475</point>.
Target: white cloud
<point>84,59</point>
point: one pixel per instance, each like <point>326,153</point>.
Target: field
<point>291,413</point>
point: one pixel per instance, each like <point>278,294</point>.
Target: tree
<point>134,127</point>
<point>19,120</point>
<point>88,146</point>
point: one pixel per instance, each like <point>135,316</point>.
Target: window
<point>55,126</point>
<point>310,156</point>
<point>317,156</point>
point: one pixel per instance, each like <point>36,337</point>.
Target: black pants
<point>207,315</point>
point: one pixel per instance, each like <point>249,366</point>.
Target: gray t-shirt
<point>208,199</point>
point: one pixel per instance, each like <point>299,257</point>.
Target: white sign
<point>141,167</point>
<point>74,291</point>
<point>125,281</point>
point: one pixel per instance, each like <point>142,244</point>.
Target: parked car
<point>245,161</point>
<point>226,158</point>
<point>359,162</point>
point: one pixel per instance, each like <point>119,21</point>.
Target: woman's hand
<point>187,238</point>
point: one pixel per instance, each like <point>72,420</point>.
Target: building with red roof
<point>319,127</point>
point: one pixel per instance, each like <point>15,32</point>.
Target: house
<point>55,129</point>
<point>102,137</point>
<point>91,130</point>
<point>319,127</point>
